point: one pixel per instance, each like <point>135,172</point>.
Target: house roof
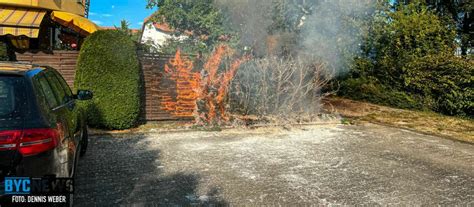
<point>147,19</point>
<point>164,27</point>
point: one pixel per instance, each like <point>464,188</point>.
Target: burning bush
<point>215,85</point>
<point>203,93</point>
<point>283,88</point>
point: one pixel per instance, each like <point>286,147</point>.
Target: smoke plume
<point>327,30</point>
<point>298,45</point>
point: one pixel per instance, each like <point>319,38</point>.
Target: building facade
<point>44,25</point>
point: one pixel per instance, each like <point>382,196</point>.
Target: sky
<point>111,12</point>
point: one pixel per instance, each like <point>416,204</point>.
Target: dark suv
<point>42,131</point>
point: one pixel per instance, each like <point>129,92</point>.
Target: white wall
<point>155,37</point>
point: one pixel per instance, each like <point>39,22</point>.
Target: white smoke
<point>328,30</point>
<point>333,32</point>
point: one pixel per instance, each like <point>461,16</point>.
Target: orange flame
<point>179,70</point>
<point>191,87</point>
<point>214,88</point>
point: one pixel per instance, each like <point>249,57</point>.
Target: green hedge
<point>108,65</point>
<point>438,83</point>
<point>369,89</point>
<point>447,81</point>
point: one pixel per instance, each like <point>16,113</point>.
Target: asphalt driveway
<point>332,164</point>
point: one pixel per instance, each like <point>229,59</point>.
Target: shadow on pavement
<point>126,171</point>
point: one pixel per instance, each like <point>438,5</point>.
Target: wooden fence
<point>156,85</point>
<point>63,61</point>
<point>158,88</point>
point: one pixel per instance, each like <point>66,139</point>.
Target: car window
<point>47,92</point>
<point>64,85</point>
<point>59,92</point>
<point>10,96</point>
<point>40,96</point>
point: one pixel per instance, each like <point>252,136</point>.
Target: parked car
<point>42,130</point>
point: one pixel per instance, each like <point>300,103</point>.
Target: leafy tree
<point>401,37</point>
<point>201,18</point>
<point>459,11</point>
<point>409,62</point>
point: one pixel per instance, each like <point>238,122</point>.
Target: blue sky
<point>111,12</point>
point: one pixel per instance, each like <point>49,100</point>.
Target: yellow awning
<point>20,21</point>
<point>79,24</point>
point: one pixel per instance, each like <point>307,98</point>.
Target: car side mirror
<point>84,95</point>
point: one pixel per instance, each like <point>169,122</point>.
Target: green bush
<point>6,52</point>
<point>439,83</point>
<point>449,80</point>
<point>108,65</point>
<point>3,52</point>
<point>368,89</point>
<point>408,61</point>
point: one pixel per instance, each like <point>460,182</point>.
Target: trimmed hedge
<point>108,66</point>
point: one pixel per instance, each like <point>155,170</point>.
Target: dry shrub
<point>216,77</point>
<point>281,88</point>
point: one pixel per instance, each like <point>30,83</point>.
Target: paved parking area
<point>334,164</point>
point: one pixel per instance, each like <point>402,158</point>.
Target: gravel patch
<point>312,165</point>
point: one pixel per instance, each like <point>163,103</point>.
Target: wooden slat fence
<point>63,61</point>
<point>156,84</point>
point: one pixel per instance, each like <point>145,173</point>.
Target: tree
<point>201,18</point>
<point>409,62</point>
<point>459,11</point>
<point>411,32</point>
<point>125,28</point>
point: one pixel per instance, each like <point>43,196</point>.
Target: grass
<point>422,121</point>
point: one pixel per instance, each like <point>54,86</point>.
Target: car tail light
<point>35,141</point>
<point>30,141</point>
<point>9,139</point>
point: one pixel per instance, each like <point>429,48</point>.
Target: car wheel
<point>84,141</point>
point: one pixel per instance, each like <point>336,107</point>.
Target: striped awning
<point>20,21</point>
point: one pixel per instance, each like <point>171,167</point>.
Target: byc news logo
<point>46,191</point>
<point>17,186</point>
<point>38,186</point>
